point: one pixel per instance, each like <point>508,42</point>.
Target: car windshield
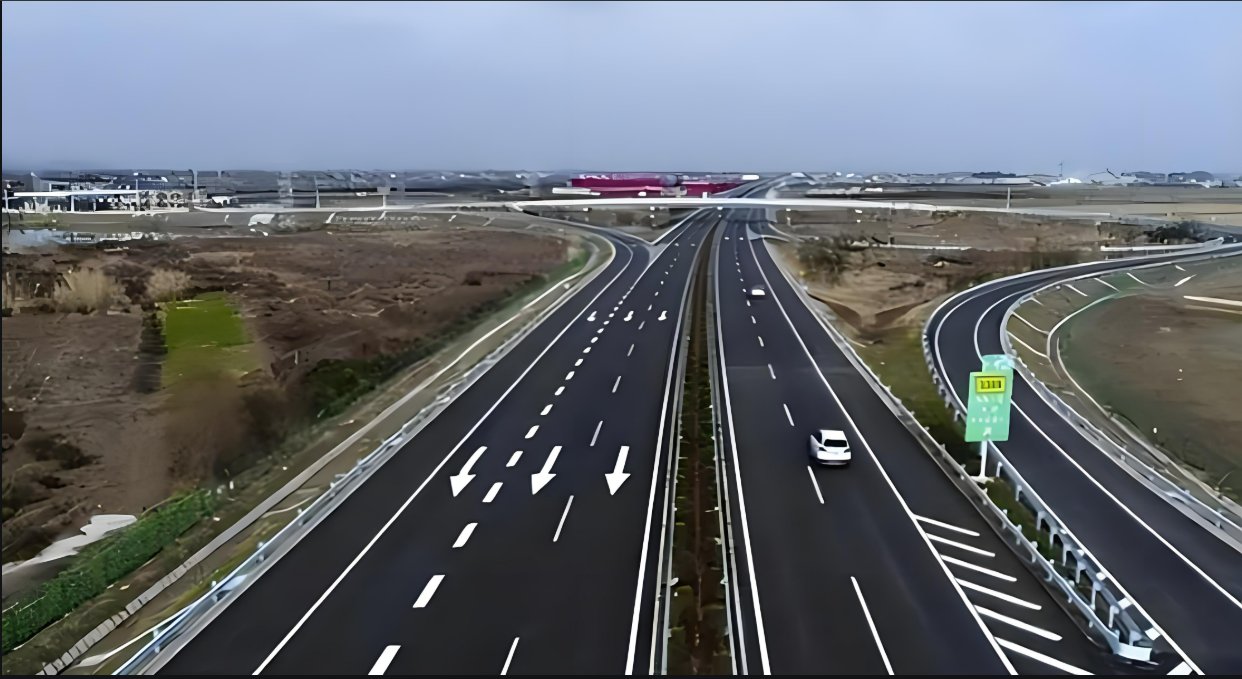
<point>833,438</point>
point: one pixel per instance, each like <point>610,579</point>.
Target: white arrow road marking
<point>591,317</point>
<point>505,670</point>
<point>561,525</point>
<point>545,475</point>
<point>491,492</point>
<point>663,316</point>
<point>465,535</point>
<point>428,591</point>
<point>629,315</point>
<point>463,477</point>
<point>385,659</point>
<point>618,475</point>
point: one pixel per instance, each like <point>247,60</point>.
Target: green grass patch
<point>205,338</point>
<point>1003,496</point>
<point>100,565</point>
<point>898,360</point>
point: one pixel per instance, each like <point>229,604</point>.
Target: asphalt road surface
<point>493,540</point>
<point>1188,581</point>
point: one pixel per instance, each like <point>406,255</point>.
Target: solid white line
<point>1182,668</point>
<point>999,595</point>
<point>531,433</point>
<point>976,550</point>
<point>597,428</point>
<point>505,670</point>
<point>1038,631</point>
<point>1179,283</point>
<point>1032,325</point>
<point>1047,660</point>
<point>816,484</point>
<point>1017,339</point>
<point>655,475</point>
<point>980,569</point>
<point>741,499</point>
<point>465,534</point>
<point>491,493</point>
<point>1216,300</point>
<point>1233,600</point>
<point>630,351</point>
<point>385,659</point>
<point>429,591</point>
<point>771,371</point>
<point>760,340</point>
<point>323,597</point>
<point>514,458</point>
<point>787,414</point>
<point>559,391</point>
<point>871,623</point>
<point>561,525</point>
<point>948,526</point>
<point>958,400</point>
<point>546,409</point>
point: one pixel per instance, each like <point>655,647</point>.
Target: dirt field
<point>1170,367</point>
<point>88,428</point>
<point>875,290</point>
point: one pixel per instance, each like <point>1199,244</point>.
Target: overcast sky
<point>698,86</point>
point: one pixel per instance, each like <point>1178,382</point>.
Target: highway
<point>1185,579</point>
<point>518,532</point>
<point>881,567</point>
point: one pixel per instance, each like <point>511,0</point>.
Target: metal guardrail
<point>202,611</point>
<point>1122,632</point>
<point>1219,514</point>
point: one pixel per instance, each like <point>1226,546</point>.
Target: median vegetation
<point>698,640</point>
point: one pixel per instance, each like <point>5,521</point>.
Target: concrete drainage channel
<point>177,630</point>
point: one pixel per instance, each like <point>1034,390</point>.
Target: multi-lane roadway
<point>1187,580</point>
<point>522,530</point>
<point>519,531</point>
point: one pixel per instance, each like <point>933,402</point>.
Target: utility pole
<point>1061,172</point>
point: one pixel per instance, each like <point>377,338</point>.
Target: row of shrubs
<point>102,564</point>
<point>336,383</point>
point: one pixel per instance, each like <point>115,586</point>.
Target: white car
<point>830,447</point>
<point>757,292</point>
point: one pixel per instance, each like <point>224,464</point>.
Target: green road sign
<point>987,408</point>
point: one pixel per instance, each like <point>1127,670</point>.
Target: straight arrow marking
<point>545,475</point>
<point>618,475</point>
<point>464,477</point>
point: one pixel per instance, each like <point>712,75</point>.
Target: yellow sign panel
<point>989,384</point>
